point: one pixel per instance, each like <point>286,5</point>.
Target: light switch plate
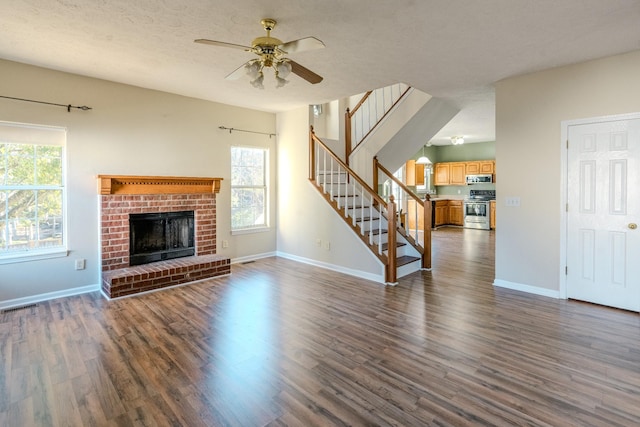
<point>512,201</point>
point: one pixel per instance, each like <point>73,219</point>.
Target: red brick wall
<point>115,210</point>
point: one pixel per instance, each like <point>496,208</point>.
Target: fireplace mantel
<point>123,184</point>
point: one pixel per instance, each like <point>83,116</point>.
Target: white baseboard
<point>527,288</point>
<point>19,302</point>
<point>351,272</point>
<point>252,257</point>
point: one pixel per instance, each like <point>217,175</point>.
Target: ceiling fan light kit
<point>271,52</point>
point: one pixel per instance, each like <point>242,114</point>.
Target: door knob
<point>633,226</point>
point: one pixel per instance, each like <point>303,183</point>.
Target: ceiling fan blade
<point>238,72</point>
<point>300,45</point>
<point>305,73</point>
<point>222,44</point>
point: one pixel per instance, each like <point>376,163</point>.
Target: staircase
<point>373,220</point>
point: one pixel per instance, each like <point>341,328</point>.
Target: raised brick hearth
<point>148,277</point>
<point>118,278</point>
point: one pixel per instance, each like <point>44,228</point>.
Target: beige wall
<point>529,113</point>
<point>130,131</point>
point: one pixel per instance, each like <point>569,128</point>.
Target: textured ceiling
<point>454,49</point>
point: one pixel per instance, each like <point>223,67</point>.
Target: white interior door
<point>603,243</point>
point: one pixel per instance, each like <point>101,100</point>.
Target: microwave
<point>479,179</point>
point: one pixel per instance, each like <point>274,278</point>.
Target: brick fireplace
<point>125,195</point>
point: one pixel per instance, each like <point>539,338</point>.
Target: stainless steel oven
<point>477,213</point>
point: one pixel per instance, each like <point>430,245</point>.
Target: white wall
<point>304,216</point>
<point>529,112</point>
<point>130,131</point>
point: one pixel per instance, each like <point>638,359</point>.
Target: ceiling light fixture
<point>255,71</point>
<point>457,140</point>
<point>423,160</point>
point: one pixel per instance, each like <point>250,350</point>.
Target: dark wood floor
<point>282,343</point>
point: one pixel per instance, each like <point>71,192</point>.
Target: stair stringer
<point>361,220</point>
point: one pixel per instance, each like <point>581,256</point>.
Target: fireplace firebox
<point>160,236</point>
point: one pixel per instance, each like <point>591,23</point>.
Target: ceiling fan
<point>271,53</point>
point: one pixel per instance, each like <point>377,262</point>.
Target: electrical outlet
<point>81,264</point>
<point>327,246</point>
<point>225,243</point>
<point>319,243</point>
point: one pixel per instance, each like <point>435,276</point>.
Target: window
<point>31,190</point>
<point>249,190</point>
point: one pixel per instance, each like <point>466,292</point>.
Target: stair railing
<point>412,210</point>
<point>369,112</point>
<point>355,202</point>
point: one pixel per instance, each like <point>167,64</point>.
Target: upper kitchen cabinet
<point>441,174</point>
<point>414,173</point>
<point>457,173</point>
<point>450,173</point>
<point>488,166</point>
<point>480,167</point>
<point>454,173</point>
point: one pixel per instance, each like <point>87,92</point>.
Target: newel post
<point>391,241</point>
<point>347,136</point>
<point>426,256</point>
<point>312,155</point>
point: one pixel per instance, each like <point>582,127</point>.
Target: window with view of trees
<point>31,191</point>
<point>249,188</point>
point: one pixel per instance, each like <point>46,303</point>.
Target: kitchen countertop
<point>448,198</point>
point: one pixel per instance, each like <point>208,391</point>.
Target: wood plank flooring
<point>280,343</point>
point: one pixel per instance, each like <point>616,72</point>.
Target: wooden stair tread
<point>406,259</point>
<point>385,245</point>
<point>367,218</point>
<point>377,231</point>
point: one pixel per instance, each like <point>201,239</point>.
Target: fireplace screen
<point>160,236</point>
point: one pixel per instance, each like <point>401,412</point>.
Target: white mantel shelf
<point>124,184</point>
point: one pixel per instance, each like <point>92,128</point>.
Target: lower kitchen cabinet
<point>492,212</point>
<point>415,219</point>
<point>441,209</point>
<point>447,212</point>
<point>456,213</point>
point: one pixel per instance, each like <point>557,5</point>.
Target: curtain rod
<point>248,131</point>
<point>68,106</point>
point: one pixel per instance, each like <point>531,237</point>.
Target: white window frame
<point>265,187</point>
<point>20,133</point>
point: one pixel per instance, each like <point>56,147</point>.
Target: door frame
<point>564,189</point>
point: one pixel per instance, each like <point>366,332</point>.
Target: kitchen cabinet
<point>454,173</point>
<point>487,166</point>
<point>473,168</point>
<point>447,212</point>
<point>449,173</point>
<point>492,212</point>
<point>414,173</point>
<point>480,167</point>
<point>441,209</point>
<point>457,173</point>
<point>456,213</point>
<point>441,174</point>
<point>414,221</point>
